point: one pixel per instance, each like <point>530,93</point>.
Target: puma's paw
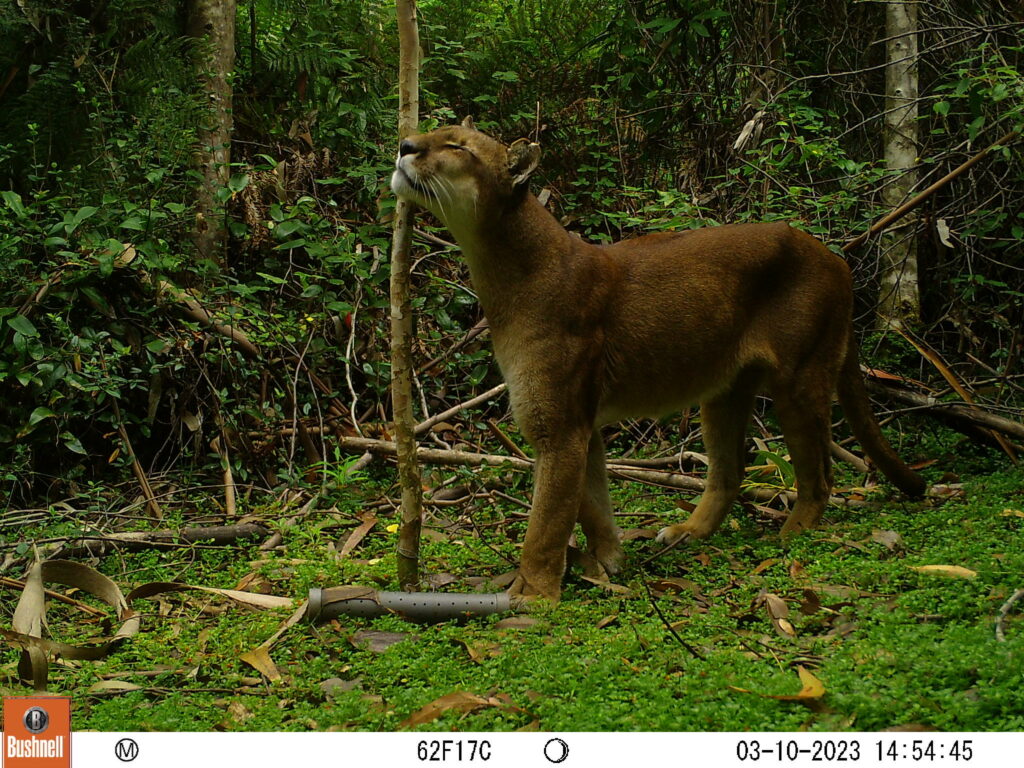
<point>610,557</point>
<point>796,524</point>
<point>524,591</point>
<point>680,533</point>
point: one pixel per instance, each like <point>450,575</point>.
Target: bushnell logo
<point>37,732</point>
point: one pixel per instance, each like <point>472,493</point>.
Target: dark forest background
<point>194,219</point>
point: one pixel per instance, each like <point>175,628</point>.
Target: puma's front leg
<point>558,489</point>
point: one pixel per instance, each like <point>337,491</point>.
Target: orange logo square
<point>37,732</point>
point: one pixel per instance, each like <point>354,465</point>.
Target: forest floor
<point>886,617</point>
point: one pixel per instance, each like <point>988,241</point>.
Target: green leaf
<point>13,200</point>
<point>699,29</point>
<point>271,278</point>
<point>941,108</point>
<point>974,127</point>
<point>39,414</point>
<point>72,443</point>
<point>286,228</point>
<point>238,182</point>
<point>22,325</point>
<point>84,213</point>
<point>786,471</point>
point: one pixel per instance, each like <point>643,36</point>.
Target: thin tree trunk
<point>401,312</point>
<point>212,23</point>
<point>899,301</point>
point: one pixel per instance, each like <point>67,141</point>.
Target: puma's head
<point>461,175</point>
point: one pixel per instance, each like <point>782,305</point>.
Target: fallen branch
<point>960,417</point>
<point>431,455</point>
<point>197,312</point>
<point>688,458</point>
<point>1004,611</point>
<point>842,454</point>
<point>662,478</point>
<point>437,418</point>
<point>100,544</point>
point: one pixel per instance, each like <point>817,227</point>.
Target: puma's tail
<point>853,397</point>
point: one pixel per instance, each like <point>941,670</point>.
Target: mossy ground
<point>892,646</point>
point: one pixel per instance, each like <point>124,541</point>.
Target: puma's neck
<point>513,253</point>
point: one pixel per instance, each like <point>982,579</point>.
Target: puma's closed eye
<point>454,146</point>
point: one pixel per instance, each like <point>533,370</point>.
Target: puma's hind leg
<point>805,417</point>
<point>595,513</point>
<point>724,420</point>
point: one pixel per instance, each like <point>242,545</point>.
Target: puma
<point>591,334</point>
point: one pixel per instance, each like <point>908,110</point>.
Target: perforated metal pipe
<point>416,606</point>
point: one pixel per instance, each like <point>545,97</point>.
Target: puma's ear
<point>468,123</point>
<point>523,157</point>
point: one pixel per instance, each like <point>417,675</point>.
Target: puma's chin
<point>404,187</point>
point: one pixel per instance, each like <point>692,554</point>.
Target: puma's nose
<point>406,148</point>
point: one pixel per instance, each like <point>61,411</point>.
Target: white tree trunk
<point>899,302</point>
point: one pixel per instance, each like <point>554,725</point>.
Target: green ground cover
<point>890,645</point>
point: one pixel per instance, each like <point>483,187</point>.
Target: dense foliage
<point>655,115</point>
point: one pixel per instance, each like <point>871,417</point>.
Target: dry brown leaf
<point>778,611</point>
<point>333,686</point>
<point>607,620</point>
<point>891,540</point>
<point>357,536</point>
<point>811,689</point>
<point>811,603</point>
<point>764,565</point>
<point>259,659</point>
<point>440,580</point>
<point>517,622</point>
<point>378,641</point>
<point>480,652</point>
<point>777,607</point>
<point>952,571</point>
<point>797,572</point>
<point>945,490</point>
<point>840,592</point>
<point>29,618</point>
<point>238,712</point>
<point>617,589</point>
<point>459,701</point>
<point>253,599</point>
<point>504,580</point>
<point>677,584</point>
<point>113,687</point>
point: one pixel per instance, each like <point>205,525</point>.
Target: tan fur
<point>588,334</point>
